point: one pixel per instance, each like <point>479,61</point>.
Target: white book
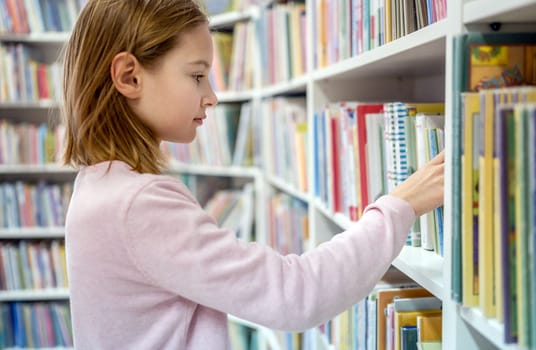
<point>413,304</point>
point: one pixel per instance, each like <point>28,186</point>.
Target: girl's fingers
<point>439,158</point>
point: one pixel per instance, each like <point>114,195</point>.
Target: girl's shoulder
<point>117,176</point>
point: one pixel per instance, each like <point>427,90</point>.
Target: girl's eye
<point>198,77</point>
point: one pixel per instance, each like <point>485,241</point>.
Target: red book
<point>361,112</point>
<point>336,180</point>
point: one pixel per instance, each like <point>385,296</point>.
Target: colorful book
<point>475,57</point>
<point>387,296</point>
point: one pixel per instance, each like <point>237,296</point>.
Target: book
<point>523,231</point>
<point>469,205</point>
<point>377,184</point>
<point>506,145</point>
<point>423,124</point>
<point>429,328</point>
<point>420,303</point>
<point>531,111</point>
<point>406,311</point>
<point>408,335</point>
<point>362,110</point>
<point>408,318</point>
<point>400,153</point>
<point>431,345</point>
<point>475,57</point>
<point>387,296</point>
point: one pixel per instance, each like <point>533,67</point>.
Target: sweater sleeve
<point>179,247</point>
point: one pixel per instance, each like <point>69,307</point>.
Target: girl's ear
<point>125,73</point>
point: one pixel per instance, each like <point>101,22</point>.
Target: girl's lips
<point>199,120</point>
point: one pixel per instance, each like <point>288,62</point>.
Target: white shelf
<point>22,169</point>
<point>425,268</point>
<point>297,85</point>
<point>42,104</point>
<point>32,232</point>
<point>34,295</point>
<point>420,53</point>
<point>45,38</point>
<point>289,189</point>
<point>234,96</point>
<point>491,328</point>
<point>229,171</point>
<point>228,19</point>
<point>512,11</point>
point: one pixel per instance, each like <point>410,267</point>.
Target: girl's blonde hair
<point>100,126</point>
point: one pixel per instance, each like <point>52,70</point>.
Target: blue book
<point>408,338</point>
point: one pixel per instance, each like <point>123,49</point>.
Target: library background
<point>324,106</point>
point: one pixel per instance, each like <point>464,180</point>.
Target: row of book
<point>30,143</point>
<point>498,208</point>
<point>363,150</point>
<point>28,265</point>
<point>233,62</point>
<point>347,28</point>
<point>288,229</point>
<point>394,316</point>
<point>281,33</point>
<point>38,16</point>
<point>229,137</point>
<point>287,139</point>
<point>493,163</point>
<point>38,204</point>
<point>234,210</point>
<point>35,325</point>
<point>27,78</point>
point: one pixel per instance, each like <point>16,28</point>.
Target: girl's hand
<point>424,188</point>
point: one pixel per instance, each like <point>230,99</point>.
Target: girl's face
<point>176,92</point>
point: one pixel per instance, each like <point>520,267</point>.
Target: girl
<point>148,268</point>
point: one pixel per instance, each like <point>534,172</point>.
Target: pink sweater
<point>149,269</point>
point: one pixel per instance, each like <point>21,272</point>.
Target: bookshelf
<point>417,66</point>
<point>34,299</point>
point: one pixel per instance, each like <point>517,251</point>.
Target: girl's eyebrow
<point>200,62</point>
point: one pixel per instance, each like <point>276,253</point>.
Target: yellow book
<point>426,108</point>
<point>469,166</point>
<point>301,155</point>
<point>486,236</point>
<point>296,11</point>
<point>409,318</point>
<point>429,328</point>
<point>520,221</point>
<point>388,18</point>
<point>321,36</point>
